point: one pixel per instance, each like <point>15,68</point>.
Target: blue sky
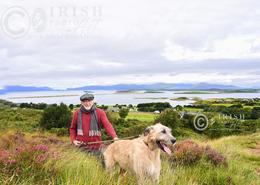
<point>75,43</point>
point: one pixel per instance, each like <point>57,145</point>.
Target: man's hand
<point>115,139</point>
<point>77,143</point>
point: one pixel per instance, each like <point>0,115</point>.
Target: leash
<point>106,141</point>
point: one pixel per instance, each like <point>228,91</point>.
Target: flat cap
<point>87,96</point>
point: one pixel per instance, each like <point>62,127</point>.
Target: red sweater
<point>86,117</point>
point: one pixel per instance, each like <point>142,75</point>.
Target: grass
<point>242,164</point>
<point>191,109</point>
<point>76,167</point>
<point>141,116</point>
<point>22,119</point>
<point>73,166</point>
<point>222,104</point>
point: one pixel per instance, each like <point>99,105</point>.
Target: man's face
<point>87,103</point>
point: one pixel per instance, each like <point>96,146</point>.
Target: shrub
<point>229,126</point>
<point>169,118</point>
<point>25,159</point>
<point>71,106</point>
<point>123,112</point>
<point>215,157</point>
<point>218,108</point>
<point>247,112</point>
<point>257,122</point>
<point>121,122</point>
<point>132,127</point>
<point>248,126</point>
<point>186,152</point>
<point>6,104</point>
<point>255,113</point>
<point>126,128</point>
<point>112,117</point>
<point>217,129</point>
<point>236,106</point>
<point>187,120</point>
<point>179,108</point>
<point>34,105</point>
<point>104,107</point>
<point>56,116</point>
<point>151,107</point>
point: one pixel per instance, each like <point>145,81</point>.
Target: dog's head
<point>159,136</point>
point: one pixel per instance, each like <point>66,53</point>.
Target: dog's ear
<point>147,131</point>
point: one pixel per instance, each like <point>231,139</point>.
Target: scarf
<point>94,129</point>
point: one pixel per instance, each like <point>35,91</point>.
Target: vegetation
<point>129,123</point>
<point>44,159</point>
<point>31,155</point>
<point>151,107</point>
<point>255,114</point>
<point>123,112</point>
<point>188,152</point>
<point>181,98</point>
<point>141,116</point>
<point>34,105</point>
<point>56,116</point>
<point>170,118</point>
<point>6,104</point>
<point>26,120</point>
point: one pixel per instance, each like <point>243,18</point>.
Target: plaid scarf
<point>94,129</point>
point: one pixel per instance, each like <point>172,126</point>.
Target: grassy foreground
<point>67,165</point>
<point>33,157</point>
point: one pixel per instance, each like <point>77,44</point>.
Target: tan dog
<point>141,155</point>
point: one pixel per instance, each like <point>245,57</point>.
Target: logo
<point>15,22</point>
<point>200,122</point>
<point>60,21</point>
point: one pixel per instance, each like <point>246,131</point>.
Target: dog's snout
<point>173,141</point>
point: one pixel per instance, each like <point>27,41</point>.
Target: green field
<point>142,116</point>
<point>57,162</point>
<point>193,109</point>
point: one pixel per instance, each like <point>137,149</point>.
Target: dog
<point>141,155</point>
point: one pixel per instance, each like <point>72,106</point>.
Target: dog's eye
<point>164,131</point>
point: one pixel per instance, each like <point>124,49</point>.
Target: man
<point>86,125</point>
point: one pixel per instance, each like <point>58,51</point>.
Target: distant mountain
<point>123,87</point>
<point>158,86</point>
<point>206,86</point>
<point>19,88</point>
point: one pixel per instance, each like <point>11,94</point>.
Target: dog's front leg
<point>142,177</point>
<point>109,163</point>
<point>155,177</point>
<point>140,180</point>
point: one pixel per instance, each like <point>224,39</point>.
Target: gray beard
<point>87,108</point>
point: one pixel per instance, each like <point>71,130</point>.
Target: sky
<point>72,43</point>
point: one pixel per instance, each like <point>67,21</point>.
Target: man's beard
<point>87,108</point>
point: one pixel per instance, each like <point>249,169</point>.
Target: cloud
<point>134,42</point>
<point>228,48</point>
